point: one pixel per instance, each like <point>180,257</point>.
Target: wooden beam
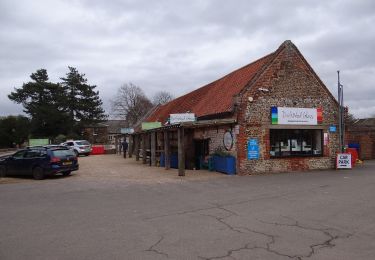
<point>116,144</point>
<point>136,147</point>
<point>167,151</point>
<point>181,152</point>
<point>131,145</point>
<point>153,148</point>
<point>144,153</point>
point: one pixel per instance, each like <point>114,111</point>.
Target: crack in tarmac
<point>313,248</point>
<point>153,249</point>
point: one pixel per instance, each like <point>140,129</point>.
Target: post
<point>144,154</point>
<point>153,148</point>
<point>341,119</point>
<point>167,155</point>
<point>131,145</point>
<point>181,152</point>
<point>136,147</point>
<point>116,144</point>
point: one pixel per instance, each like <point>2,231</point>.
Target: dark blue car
<point>39,162</point>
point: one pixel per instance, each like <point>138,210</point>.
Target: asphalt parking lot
<point>115,208</point>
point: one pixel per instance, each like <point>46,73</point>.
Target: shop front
<point>272,115</point>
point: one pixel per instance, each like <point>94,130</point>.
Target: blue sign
<point>332,128</point>
<point>252,149</point>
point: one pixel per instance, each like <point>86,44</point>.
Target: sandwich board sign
<point>344,161</point>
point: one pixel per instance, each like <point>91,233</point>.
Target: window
<point>32,154</point>
<point>296,142</point>
<point>19,155</point>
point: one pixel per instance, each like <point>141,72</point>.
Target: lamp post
<point>340,89</point>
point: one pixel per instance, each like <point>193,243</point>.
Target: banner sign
<point>150,125</point>
<point>252,149</point>
<point>179,118</point>
<point>126,130</point>
<point>296,116</point>
<point>344,161</point>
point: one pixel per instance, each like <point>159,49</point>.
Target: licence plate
<point>67,163</point>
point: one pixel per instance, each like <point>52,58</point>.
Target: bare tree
<point>130,103</point>
<point>162,97</point>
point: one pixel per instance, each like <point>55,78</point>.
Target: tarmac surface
<point>115,208</point>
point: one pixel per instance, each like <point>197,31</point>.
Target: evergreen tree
<point>43,101</point>
<point>82,101</point>
<point>14,130</point>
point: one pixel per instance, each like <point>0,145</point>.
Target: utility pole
<point>340,89</point>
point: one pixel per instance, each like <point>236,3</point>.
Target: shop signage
<point>127,130</point>
<point>179,118</point>
<point>252,149</point>
<point>150,125</point>
<point>296,116</point>
<point>228,140</point>
<point>344,161</point>
<point>332,128</point>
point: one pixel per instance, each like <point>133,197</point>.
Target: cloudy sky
<point>179,46</point>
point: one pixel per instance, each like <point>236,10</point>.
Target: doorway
<point>201,152</point>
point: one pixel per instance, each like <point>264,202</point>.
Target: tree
<point>130,103</point>
<point>43,101</point>
<point>14,130</point>
<point>162,97</point>
<point>82,103</point>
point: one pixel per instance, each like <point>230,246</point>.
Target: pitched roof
<point>363,124</point>
<point>114,126</point>
<point>213,98</point>
<point>218,97</point>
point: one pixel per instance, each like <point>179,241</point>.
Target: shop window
<point>296,142</point>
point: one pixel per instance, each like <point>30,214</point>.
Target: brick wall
<point>366,140</point>
<point>291,83</point>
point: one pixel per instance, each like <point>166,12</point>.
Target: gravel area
<point>115,167</point>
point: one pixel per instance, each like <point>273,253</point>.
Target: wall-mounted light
<point>250,99</point>
<point>263,89</point>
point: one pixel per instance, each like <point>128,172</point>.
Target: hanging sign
<point>252,149</point>
<point>296,116</point>
<point>179,118</point>
<point>228,140</point>
<point>150,125</point>
<point>344,161</point>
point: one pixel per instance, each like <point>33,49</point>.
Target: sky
<point>178,46</point>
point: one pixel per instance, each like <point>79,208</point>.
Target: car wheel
<point>2,171</point>
<point>38,173</point>
<point>66,173</point>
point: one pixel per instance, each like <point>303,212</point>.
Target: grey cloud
<point>179,46</point>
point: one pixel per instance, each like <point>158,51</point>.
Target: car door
<point>31,159</point>
<point>15,163</point>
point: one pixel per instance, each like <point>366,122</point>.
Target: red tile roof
<point>213,98</point>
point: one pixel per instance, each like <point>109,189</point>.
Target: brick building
<point>272,115</point>
<point>362,133</point>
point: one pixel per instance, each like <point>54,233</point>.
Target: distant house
<point>103,133</point>
<point>362,133</point>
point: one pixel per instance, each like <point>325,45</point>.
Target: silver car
<point>79,146</point>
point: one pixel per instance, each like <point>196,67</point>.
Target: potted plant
<point>224,161</point>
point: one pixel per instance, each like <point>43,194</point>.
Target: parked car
<point>39,162</point>
<point>79,147</point>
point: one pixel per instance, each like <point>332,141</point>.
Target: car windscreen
<point>63,153</point>
<point>83,143</point>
